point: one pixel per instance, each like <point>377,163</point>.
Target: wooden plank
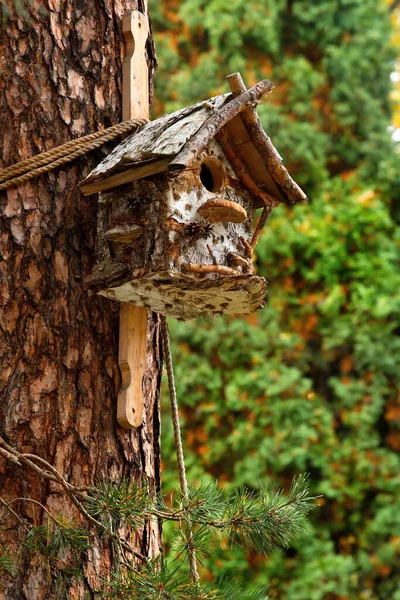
<point>132,363</point>
<point>123,177</point>
<point>237,131</point>
<point>135,74</point>
<point>261,198</point>
<point>133,319</point>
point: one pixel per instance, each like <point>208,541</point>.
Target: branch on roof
<point>211,127</point>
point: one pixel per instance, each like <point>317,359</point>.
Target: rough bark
<point>59,377</point>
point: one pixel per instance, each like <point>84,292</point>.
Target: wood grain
<point>132,363</point>
<point>126,176</point>
<point>135,73</point>
<point>133,319</point>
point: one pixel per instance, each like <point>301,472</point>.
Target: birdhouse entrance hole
<point>212,174</point>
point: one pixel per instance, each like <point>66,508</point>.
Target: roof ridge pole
<point>218,119</point>
<point>133,320</point>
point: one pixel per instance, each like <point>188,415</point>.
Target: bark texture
<point>59,376</point>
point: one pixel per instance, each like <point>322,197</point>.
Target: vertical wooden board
<point>133,319</point>
<point>132,362</point>
<point>135,75</point>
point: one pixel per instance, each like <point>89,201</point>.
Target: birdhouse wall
<point>154,224</point>
<point>128,225</point>
<point>172,242</point>
<point>192,238</point>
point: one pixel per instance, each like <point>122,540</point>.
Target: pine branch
<point>7,564</point>
<point>200,540</point>
<point>155,581</point>
<point>56,538</point>
<point>126,501</point>
<point>51,473</point>
<point>260,521</point>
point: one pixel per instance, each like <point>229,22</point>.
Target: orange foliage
<point>346,175</point>
<point>392,412</point>
<point>346,364</point>
<point>251,319</point>
<point>288,283</point>
<point>383,570</point>
<point>393,440</point>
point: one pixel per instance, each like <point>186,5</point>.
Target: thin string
<point>178,444</point>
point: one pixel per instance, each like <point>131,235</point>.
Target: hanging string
<point>178,443</point>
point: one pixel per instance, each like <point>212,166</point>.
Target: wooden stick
<point>264,145</point>
<point>237,86</point>
<point>261,222</point>
<point>133,321</point>
<point>211,127</point>
<point>220,269</point>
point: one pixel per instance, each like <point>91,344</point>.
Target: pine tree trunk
<point>61,79</point>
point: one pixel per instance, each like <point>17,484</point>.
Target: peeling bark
<point>59,376</point>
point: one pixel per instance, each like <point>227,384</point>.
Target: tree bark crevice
<point>59,373</point>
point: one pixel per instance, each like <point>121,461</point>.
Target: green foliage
<point>116,502</point>
<point>330,62</point>
<point>56,539</point>
<point>156,581</point>
<point>7,564</point>
<point>262,521</point>
<point>311,383</point>
<point>259,521</point>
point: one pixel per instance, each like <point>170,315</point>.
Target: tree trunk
<point>61,79</point>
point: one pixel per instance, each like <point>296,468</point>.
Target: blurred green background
<point>311,383</point>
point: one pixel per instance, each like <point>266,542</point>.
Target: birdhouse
<point>177,206</point>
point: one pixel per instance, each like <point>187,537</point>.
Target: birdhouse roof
<point>175,140</point>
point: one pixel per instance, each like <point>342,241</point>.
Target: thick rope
<point>178,443</point>
<point>46,161</point>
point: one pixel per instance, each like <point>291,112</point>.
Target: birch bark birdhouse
<point>177,204</point>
